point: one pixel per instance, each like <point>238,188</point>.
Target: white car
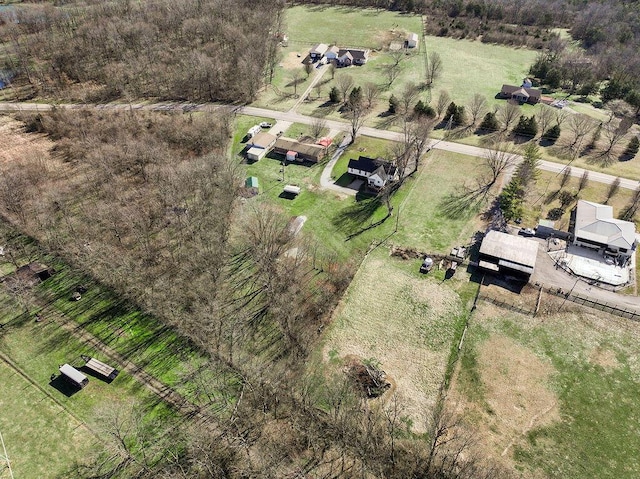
<point>264,124</point>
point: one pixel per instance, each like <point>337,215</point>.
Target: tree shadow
<point>552,196</point>
<point>351,219</point>
<point>462,205</point>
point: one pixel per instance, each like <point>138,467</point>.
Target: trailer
<point>291,189</point>
<point>100,368</point>
<point>73,376</point>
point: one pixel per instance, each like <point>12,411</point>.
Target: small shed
<point>412,40</point>
<point>254,153</point>
<point>100,368</point>
<point>291,155</point>
<point>251,182</point>
<point>73,376</point>
<point>291,189</point>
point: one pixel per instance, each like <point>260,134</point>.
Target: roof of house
<point>521,92</point>
<point>511,89</point>
<point>346,54</point>
<point>333,49</point>
<point>262,140</point>
<point>595,222</point>
<point>320,48</point>
<point>510,249</point>
<point>355,53</point>
<point>380,173</point>
<point>412,36</point>
<point>289,144</point>
<point>370,165</point>
<point>326,141</point>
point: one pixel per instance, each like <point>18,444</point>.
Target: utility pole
<point>5,464</point>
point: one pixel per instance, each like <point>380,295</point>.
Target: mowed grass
<point>402,321</point>
<point>543,197</point>
<point>42,439</point>
<point>345,26</point>
<point>423,223</point>
<point>470,67</point>
<point>595,381</point>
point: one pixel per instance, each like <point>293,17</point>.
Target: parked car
<point>264,124</point>
<point>426,266</point>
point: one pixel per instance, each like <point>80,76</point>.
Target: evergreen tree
<point>423,109</point>
<point>489,122</point>
<point>334,95</point>
<point>355,97</point>
<point>632,147</point>
<point>393,104</point>
<point>552,134</point>
<point>527,126</point>
<point>511,199</point>
<point>455,113</point>
<point>528,170</point>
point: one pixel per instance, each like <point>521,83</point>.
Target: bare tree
<point>566,175</point>
<point>477,107</point>
<point>317,127</point>
<point>344,82</point>
<point>308,68</point>
<point>584,181</point>
<point>613,134</point>
<point>442,102</point>
<point>332,70</point>
<point>497,161</point>
<point>579,125</point>
<point>296,77</point>
<point>614,187</point>
<point>371,93</point>
<point>630,210</point>
<point>417,136</point>
<point>356,117</point>
<point>409,94</point>
<point>433,68</point>
<point>508,114</point>
<point>545,116</point>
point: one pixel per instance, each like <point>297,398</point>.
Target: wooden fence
<point>628,313</point>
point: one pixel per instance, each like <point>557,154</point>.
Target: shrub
<point>555,214</point>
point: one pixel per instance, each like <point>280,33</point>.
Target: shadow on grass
<point>352,218</point>
<point>462,205</point>
<point>62,386</point>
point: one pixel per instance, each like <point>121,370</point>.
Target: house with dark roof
<point>593,226</point>
<point>352,56</point>
<point>521,94</point>
<point>316,52</point>
<point>377,172</point>
<point>294,149</point>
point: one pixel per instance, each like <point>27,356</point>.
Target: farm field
<point>554,396</point>
<point>405,323</point>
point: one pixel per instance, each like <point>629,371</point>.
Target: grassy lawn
<point>405,322</point>
<point>569,397</point>
<point>470,67</point>
<point>363,146</point>
<point>354,27</point>
<point>423,223</point>
<point>41,438</point>
<point>544,196</point>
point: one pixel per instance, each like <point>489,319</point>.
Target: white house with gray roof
<point>593,226</point>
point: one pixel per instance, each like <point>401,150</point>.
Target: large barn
<point>508,254</point>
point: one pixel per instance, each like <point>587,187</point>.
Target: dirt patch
<point>18,145</point>
<point>604,358</point>
<point>292,61</point>
<point>516,397</point>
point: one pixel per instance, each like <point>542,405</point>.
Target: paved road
<point>293,117</point>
